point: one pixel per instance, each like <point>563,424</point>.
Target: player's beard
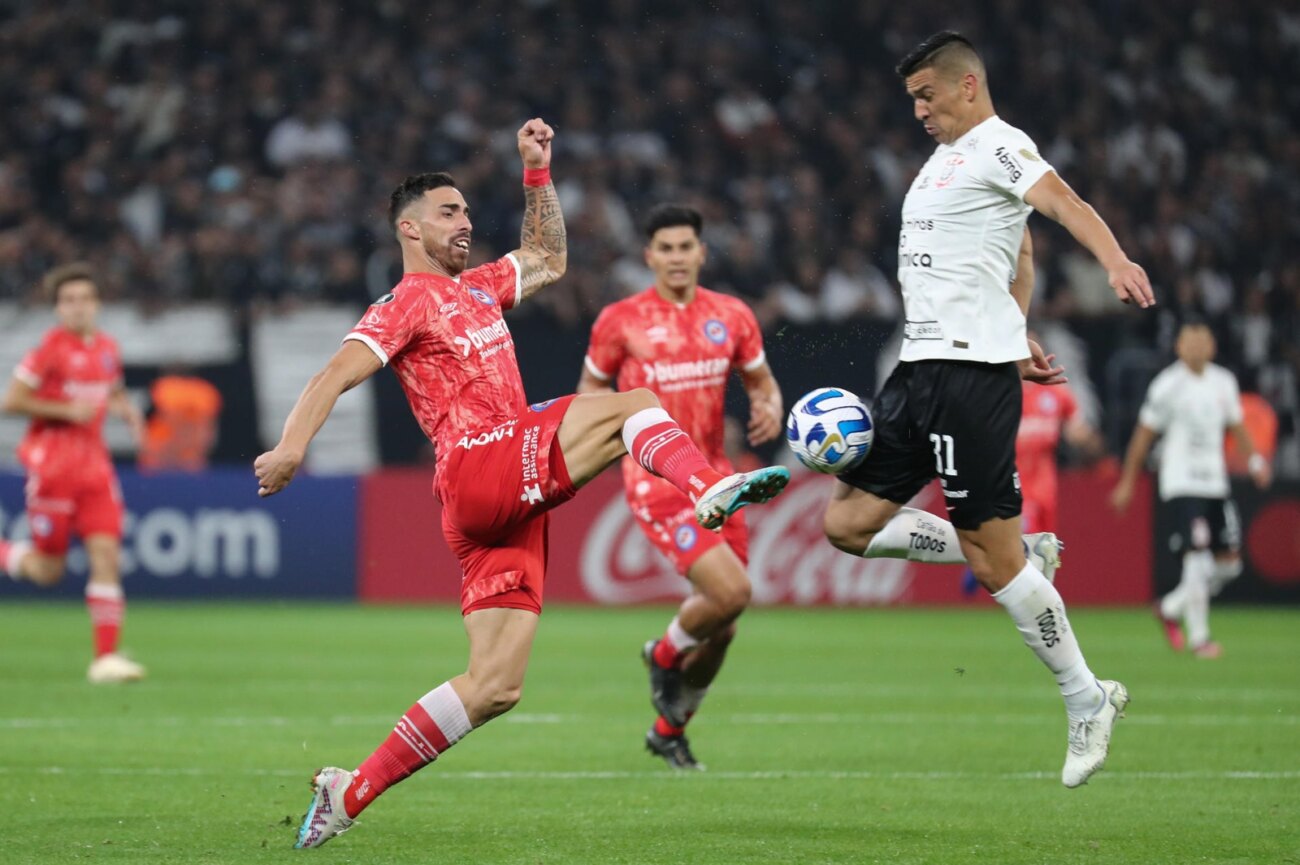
<point>450,256</point>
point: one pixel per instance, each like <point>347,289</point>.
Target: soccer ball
<point>829,430</point>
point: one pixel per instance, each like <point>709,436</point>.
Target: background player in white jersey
<point>1191,403</point>
<point>682,341</point>
<point>952,406</point>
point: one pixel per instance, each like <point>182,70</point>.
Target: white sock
<point>678,638</point>
<point>1198,566</point>
<point>918,536</point>
<point>1039,613</point>
<point>448,712</point>
<point>639,422</point>
<point>690,697</point>
<point>1225,571</point>
<point>1173,604</point>
<point>14,561</point>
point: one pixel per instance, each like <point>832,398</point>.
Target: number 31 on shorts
<point>943,449</point>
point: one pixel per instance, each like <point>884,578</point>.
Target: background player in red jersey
<point>67,385</point>
<point>501,464</point>
<point>682,341</point>
<point>1048,415</point>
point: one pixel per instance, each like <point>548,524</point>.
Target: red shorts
<point>667,518</point>
<point>496,489</point>
<point>87,502</point>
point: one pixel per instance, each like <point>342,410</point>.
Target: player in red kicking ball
<point>682,341</point>
<point>67,385</point>
<point>501,464</point>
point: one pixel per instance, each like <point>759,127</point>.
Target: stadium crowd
<point>244,151</point>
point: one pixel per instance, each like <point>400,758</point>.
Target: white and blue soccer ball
<point>830,430</point>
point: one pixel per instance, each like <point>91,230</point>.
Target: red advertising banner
<point>598,555</point>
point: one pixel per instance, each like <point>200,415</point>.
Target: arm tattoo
<point>543,241</point>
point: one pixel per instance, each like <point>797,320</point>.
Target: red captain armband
<point>537,176</point>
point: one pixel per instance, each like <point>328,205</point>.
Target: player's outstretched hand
<point>274,470</point>
<point>535,143</point>
<point>1131,284</point>
<point>1040,368</point>
<point>765,421</point>
<point>1261,472</point>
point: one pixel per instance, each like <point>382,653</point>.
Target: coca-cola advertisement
<point>598,554</point>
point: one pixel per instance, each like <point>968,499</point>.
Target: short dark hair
<point>934,49</point>
<point>412,189</point>
<point>60,276</point>
<point>672,215</point>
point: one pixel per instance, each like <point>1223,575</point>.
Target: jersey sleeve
<point>1155,410</point>
<point>36,364</point>
<point>500,278</point>
<point>607,349</point>
<point>749,340</point>
<point>1010,162</point>
<point>390,324</point>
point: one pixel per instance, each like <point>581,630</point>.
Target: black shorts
<point>1203,524</point>
<point>956,420</point>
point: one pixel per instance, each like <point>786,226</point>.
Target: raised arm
<point>543,252</point>
<point>352,364</point>
<point>1052,197</point>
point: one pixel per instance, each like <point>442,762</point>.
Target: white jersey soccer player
<point>1190,404</point>
<point>952,406</point>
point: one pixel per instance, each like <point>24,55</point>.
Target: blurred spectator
<point>182,429</point>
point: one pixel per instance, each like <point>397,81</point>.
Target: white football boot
<point>112,669</point>
<point>735,491</point>
<point>1090,737</point>
<point>325,816</point>
<point>1043,549</point>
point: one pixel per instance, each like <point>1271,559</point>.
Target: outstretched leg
<point>500,642</point>
<point>599,428</point>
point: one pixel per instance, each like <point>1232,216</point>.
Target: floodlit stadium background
<point>226,167</point>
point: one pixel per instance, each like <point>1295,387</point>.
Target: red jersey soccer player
<point>1047,415</point>
<point>501,464</point>
<point>682,341</point>
<point>67,385</point>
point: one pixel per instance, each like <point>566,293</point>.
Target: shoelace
<point>1079,736</point>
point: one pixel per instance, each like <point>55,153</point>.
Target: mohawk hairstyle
<point>672,215</point>
<point>934,50</point>
<point>412,189</point>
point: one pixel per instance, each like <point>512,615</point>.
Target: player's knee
<point>501,698</point>
<point>732,597</point>
<point>845,529</point>
<point>45,570</point>
<point>640,399</point>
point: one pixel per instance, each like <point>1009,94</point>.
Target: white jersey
<point>1192,411</point>
<point>963,222</point>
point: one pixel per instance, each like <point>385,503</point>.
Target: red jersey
<point>1045,411</point>
<point>682,352</point>
<point>452,352</point>
<point>67,367</point>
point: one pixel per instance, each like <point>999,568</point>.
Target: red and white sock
<point>12,554</point>
<point>662,447</point>
<point>435,723</point>
<point>107,607</point>
<point>673,647</point>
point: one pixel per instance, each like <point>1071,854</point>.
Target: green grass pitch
<point>890,736</point>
